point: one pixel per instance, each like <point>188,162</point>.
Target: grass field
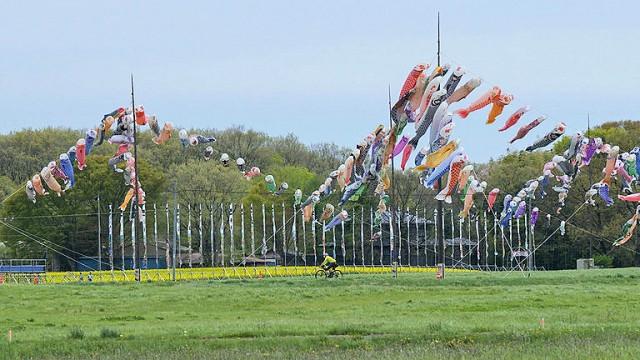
<point>590,314</point>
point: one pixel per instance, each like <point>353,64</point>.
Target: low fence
<point>222,240</point>
<point>22,266</point>
<point>227,235</point>
<point>196,274</point>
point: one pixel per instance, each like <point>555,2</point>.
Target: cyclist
<point>329,263</point>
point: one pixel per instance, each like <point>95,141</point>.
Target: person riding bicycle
<point>329,263</point>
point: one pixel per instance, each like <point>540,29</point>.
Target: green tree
<point>67,225</point>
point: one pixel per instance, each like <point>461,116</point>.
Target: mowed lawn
<point>587,314</point>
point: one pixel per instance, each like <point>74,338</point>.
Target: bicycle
<point>328,274</point>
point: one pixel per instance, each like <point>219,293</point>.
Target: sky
<point>320,70</point>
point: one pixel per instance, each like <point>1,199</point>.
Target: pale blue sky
<point>316,69</point>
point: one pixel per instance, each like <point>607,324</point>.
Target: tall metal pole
<point>441,244</point>
<point>176,228</point>
<point>590,183</point>
<point>135,167</point>
<point>393,186</point>
<point>530,248</point>
<point>438,38</point>
<point>99,237</point>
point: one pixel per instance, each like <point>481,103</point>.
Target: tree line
<point>167,169</point>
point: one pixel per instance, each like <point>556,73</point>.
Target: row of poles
<point>438,242</point>
<point>239,235</point>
